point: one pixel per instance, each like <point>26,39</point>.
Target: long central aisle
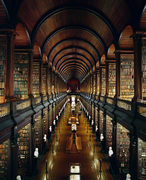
<point>59,158</point>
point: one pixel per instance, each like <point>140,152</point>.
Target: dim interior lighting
<point>101,137</point>
<point>50,128</point>
<point>18,177</point>
<point>128,176</point>
<point>110,151</point>
<point>36,153</point>
<point>45,137</point>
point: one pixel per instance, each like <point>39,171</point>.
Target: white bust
<point>18,177</point>
<point>110,152</point>
<point>36,153</point>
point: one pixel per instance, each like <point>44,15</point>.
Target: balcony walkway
<point>59,158</point>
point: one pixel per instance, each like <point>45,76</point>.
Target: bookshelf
<point>38,132</point>
<point>123,144</point>
<point>36,77</point>
<point>141,159</point>
<point>3,57</point>
<point>109,129</point>
<point>23,142</point>
<point>103,80</point>
<point>98,82</point>
<point>101,122</point>
<point>112,79</point>
<point>45,120</point>
<point>96,118</point>
<point>127,77</point>
<point>44,80</point>
<point>21,70</point>
<point>4,109</point>
<point>4,151</point>
<point>143,65</point>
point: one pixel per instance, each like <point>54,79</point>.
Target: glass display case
<point>127,77</point>
<point>109,129</point>
<point>21,70</point>
<point>36,78</point>
<point>3,56</point>
<point>123,145</point>
<point>23,142</point>
<point>141,159</point>
<point>4,159</point>
<point>112,79</point>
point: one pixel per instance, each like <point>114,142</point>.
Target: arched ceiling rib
<point>74,34</point>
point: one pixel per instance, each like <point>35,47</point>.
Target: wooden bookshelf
<point>141,159</point>
<point>123,144</point>
<point>36,77</point>
<point>4,152</point>
<point>112,79</point>
<point>45,119</point>
<point>109,129</point>
<point>98,82</point>
<point>38,132</point>
<point>21,70</point>
<point>127,77</point>
<point>3,57</point>
<point>4,109</point>
<point>44,80</point>
<point>96,117</point>
<point>101,122</point>
<point>23,142</point>
<point>103,80</point>
<point>143,65</point>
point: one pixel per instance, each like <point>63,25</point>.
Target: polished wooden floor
<point>57,160</point>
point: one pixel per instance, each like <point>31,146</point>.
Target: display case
<point>141,159</point>
<point>112,79</point>
<point>23,142</point>
<point>45,120</point>
<point>109,131</point>
<point>21,70</point>
<point>123,145</point>
<point>36,78</point>
<point>38,132</point>
<point>3,57</point>
<point>44,80</point>
<point>103,81</point>
<point>4,159</point>
<point>127,77</point>
<point>143,66</point>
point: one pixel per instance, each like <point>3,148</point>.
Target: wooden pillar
<point>137,67</point>
<point>117,74</point>
<point>9,86</point>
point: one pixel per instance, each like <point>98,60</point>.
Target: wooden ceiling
<point>73,35</point>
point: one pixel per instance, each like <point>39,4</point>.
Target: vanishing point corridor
<point>61,152</point>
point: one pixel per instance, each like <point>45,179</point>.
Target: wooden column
<point>137,67</point>
<point>117,74</point>
<point>9,86</point>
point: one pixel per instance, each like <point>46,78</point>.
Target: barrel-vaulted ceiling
<point>73,34</point>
